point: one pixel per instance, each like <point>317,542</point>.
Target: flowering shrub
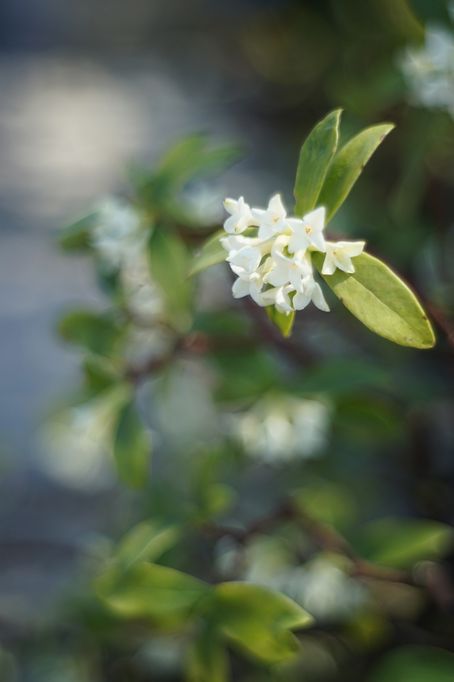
<point>202,584</point>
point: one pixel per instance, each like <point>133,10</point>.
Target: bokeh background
<point>90,88</point>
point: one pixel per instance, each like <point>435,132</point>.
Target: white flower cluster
<point>270,253</point>
<point>120,241</point>
<point>283,428</point>
<point>429,70</point>
<point>321,585</point>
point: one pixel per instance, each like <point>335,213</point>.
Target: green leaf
<point>400,543</point>
<point>283,321</point>
<point>97,332</point>
<point>76,237</point>
<point>347,165</point>
<point>207,660</point>
<point>192,156</point>
<point>259,620</point>
<point>132,447</point>
<point>150,591</point>
<point>415,664</point>
<point>146,541</point>
<point>331,503</point>
<point>187,159</point>
<point>314,160</point>
<point>381,301</point>
<point>169,263</point>
<point>211,253</point>
<point>99,374</point>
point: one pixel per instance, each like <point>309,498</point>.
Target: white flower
<point>308,232</point>
<point>272,220</point>
<point>294,275</point>
<point>283,428</point>
<point>117,236</point>
<point>324,589</point>
<point>339,255</point>
<point>144,298</point>
<point>273,263</point>
<point>429,70</point>
<point>240,216</point>
<point>310,292</point>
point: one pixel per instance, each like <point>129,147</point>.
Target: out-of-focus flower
<point>270,253</point>
<point>319,585</point>
<point>119,239</point>
<point>117,236</point>
<point>77,441</point>
<point>429,70</point>
<point>339,255</point>
<point>143,296</point>
<point>324,589</point>
<point>283,428</point>
<point>184,407</point>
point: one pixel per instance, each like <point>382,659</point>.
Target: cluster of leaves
<point>253,618</point>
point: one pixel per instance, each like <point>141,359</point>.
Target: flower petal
<point>240,288</point>
<point>328,264</point>
<point>318,241</point>
<point>316,219</point>
<point>301,300</point>
<point>318,298</point>
<point>344,262</point>
<point>276,207</point>
<point>352,249</point>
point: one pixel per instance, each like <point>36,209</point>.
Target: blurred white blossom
<point>117,236</point>
<point>429,70</point>
<point>143,296</point>
<point>185,410</point>
<point>270,252</point>
<point>324,589</point>
<point>320,585</point>
<point>77,441</point>
<point>282,428</point>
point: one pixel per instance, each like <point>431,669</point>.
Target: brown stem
<point>433,578</point>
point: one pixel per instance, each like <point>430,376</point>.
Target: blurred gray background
<point>86,86</point>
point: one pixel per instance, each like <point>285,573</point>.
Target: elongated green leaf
<point>146,541</point>
<point>149,590</point>
<point>76,237</point>
<point>98,332</point>
<point>169,263</point>
<point>259,620</point>
<point>314,160</point>
<point>381,301</point>
<point>347,165</point>
<point>132,447</point>
<point>194,156</point>
<point>211,253</point>
<point>282,321</point>
<point>187,159</point>
<point>401,543</point>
